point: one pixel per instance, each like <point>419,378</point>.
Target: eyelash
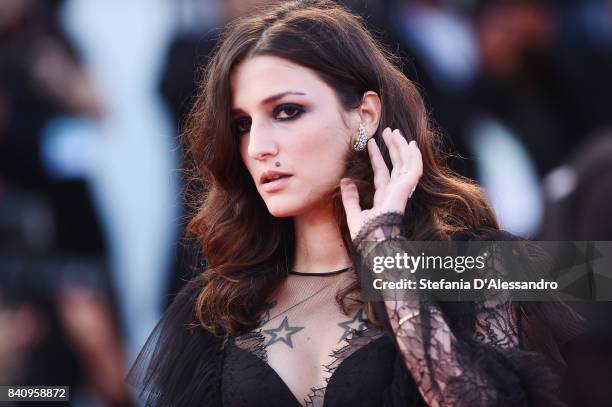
<point>298,109</point>
<point>289,106</point>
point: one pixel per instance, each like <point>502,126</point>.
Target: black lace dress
<point>460,354</point>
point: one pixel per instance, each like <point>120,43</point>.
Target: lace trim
<point>255,343</point>
<point>390,223</point>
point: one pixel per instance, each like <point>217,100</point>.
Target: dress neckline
<point>353,346</point>
<point>325,274</point>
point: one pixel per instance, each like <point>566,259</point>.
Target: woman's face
<point>283,113</point>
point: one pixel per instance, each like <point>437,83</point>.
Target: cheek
<point>321,151</point>
<point>324,135</point>
<point>243,147</point>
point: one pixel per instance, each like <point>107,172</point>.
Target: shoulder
<point>187,296</point>
<point>181,362</point>
<point>178,328</point>
<point>179,321</point>
<point>180,316</point>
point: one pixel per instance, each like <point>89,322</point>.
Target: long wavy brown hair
<point>248,251</point>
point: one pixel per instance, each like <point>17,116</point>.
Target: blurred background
<point>92,98</point>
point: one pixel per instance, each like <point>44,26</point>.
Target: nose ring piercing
<point>277,164</point>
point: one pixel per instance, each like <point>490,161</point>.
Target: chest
<point>303,353</point>
<point>360,372</point>
<point>301,342</point>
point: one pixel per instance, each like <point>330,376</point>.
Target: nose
<point>261,144</point>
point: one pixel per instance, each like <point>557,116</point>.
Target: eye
<point>288,111</point>
<point>241,125</point>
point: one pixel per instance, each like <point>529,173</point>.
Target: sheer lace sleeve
<point>181,363</point>
<point>462,354</point>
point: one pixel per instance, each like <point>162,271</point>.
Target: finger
<point>414,161</point>
<point>413,170</point>
<point>418,159</point>
<point>393,153</point>
<point>350,199</point>
<point>406,153</point>
<point>381,172</point>
<point>399,141</point>
<point>417,167</point>
<point>396,135</point>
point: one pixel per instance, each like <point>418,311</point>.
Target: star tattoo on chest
<point>358,323</point>
<point>282,334</point>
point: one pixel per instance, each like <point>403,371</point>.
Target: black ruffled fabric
<point>183,365</point>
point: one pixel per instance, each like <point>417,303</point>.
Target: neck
<point>318,243</point>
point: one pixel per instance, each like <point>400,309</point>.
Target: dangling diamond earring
<point>362,139</point>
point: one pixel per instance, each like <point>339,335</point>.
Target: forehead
<point>261,76</point>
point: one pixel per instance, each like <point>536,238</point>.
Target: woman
<point>309,140</point>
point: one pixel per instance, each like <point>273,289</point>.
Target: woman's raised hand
<point>392,189</point>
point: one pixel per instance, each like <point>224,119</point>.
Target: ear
<point>369,111</point>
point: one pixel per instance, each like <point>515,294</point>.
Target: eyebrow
<point>273,98</point>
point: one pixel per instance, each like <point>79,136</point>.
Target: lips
<point>271,176</point>
<point>272,181</point>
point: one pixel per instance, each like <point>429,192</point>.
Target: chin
<point>280,208</point>
<point>281,211</point>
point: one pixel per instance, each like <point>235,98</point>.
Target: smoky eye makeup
<point>288,111</point>
<point>282,112</point>
<point>241,125</point>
